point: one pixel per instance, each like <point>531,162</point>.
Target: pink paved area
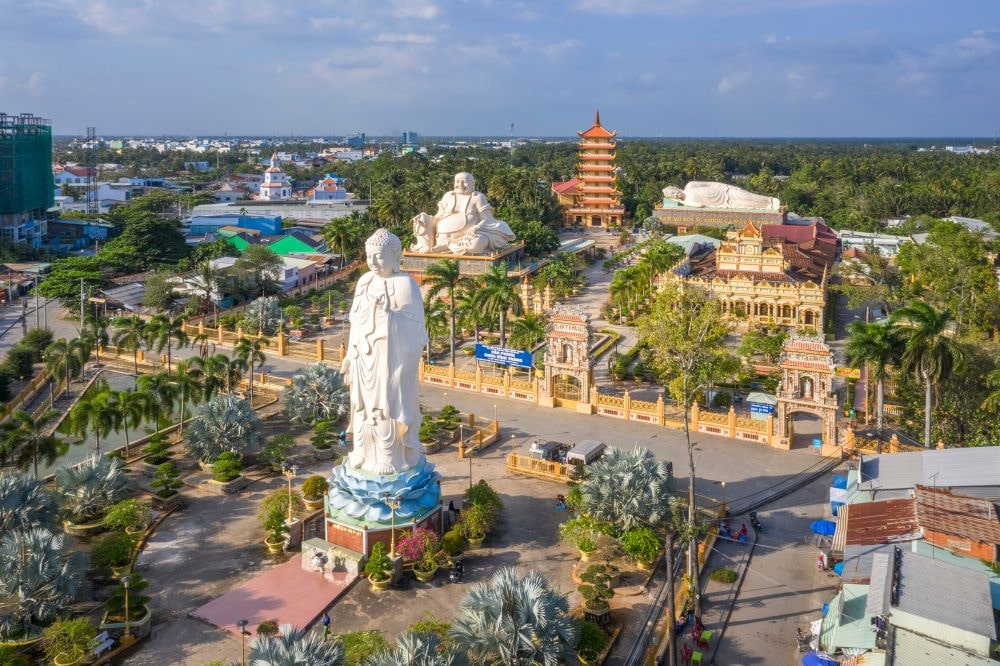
<point>285,593</point>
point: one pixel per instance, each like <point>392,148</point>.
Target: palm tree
<point>528,331</point>
<point>216,372</point>
<point>295,647</point>
<point>416,648</point>
<point>227,424</point>
<point>445,276</point>
<point>511,619</point>
<point>204,343</point>
<point>95,332</point>
<point>131,406</point>
<point>205,278</point>
<point>161,394</point>
<point>90,488</point>
<point>25,503</point>
<point>628,489</point>
<point>162,331</point>
<point>188,379</point>
<point>250,351</point>
<point>929,351</point>
<point>992,402</point>
<point>38,580</point>
<point>65,359</point>
<point>500,297</point>
<point>873,345</point>
<point>343,234</point>
<point>94,413</point>
<point>470,304</point>
<point>130,332</point>
<point>436,322</point>
<point>31,437</point>
<point>317,393</point>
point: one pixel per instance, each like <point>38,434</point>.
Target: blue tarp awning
<point>834,506</point>
<point>839,481</point>
<point>824,527</point>
<point>838,568</point>
<point>814,659</point>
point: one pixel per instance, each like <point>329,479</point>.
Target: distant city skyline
<point>655,68</point>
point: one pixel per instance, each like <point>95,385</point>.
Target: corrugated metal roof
<point>846,625</point>
<point>858,561</point>
<point>878,522</point>
<point>880,584</point>
<point>942,510</point>
<point>910,648</point>
<point>944,593</point>
<point>945,468</point>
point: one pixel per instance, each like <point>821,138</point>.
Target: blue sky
<point>472,67</point>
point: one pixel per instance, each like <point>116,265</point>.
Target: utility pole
<point>81,306</point>
<point>36,302</point>
<point>512,144</point>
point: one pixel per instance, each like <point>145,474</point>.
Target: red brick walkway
<point>285,593</point>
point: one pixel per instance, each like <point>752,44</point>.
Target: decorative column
<point>319,350</point>
<point>661,418</point>
<point>732,421</point>
<point>627,405</point>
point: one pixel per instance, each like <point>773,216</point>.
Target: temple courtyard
<point>215,544</point>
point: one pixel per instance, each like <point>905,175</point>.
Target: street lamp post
<point>290,472</point>
<point>127,638</point>
<point>723,507</point>
<point>393,502</point>
<point>242,624</point>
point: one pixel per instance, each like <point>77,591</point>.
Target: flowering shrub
<point>414,545</point>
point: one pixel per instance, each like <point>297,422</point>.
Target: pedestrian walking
<point>326,626</point>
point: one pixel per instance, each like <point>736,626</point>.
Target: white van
<point>585,452</point>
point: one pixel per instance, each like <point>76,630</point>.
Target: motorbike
<point>456,573</point>
<point>757,525</point>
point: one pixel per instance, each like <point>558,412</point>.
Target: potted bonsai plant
<point>228,471</point>
<point>167,483</point>
<point>277,449</point>
<point>596,591</point>
<point>379,568</point>
<point>157,450</point>
<point>313,490</point>
<point>453,545</point>
<point>591,642</point>
<point>67,641</point>
<point>586,535</point>
<point>642,545</point>
<point>476,522</point>
<point>323,440</point>
<point>268,628</point>
<point>114,550</point>
<point>130,516</point>
<point>274,525</point>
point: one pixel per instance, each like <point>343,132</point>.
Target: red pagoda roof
<point>597,132</point>
<point>567,187</point>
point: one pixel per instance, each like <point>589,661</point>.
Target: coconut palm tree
<point>227,424</point>
<point>528,331</point>
<point>32,440</point>
<point>250,351</point>
<point>161,395</point>
<point>25,503</point>
<point>95,333</point>
<point>187,377</point>
<point>628,489</point>
<point>216,372</point>
<point>65,359</point>
<point>929,351</point>
<point>130,333</point>
<point>873,345</point>
<point>88,489</point>
<point>470,305</point>
<point>94,413</point>
<point>445,276</point>
<point>417,649</point>
<point>500,297</point>
<point>205,279</point>
<point>38,580</point>
<point>317,393</point>
<point>131,406</point>
<point>513,619</point>
<point>295,647</point>
<point>162,332</point>
<point>436,322</point>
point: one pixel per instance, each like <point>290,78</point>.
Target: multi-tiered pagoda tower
<point>592,200</point>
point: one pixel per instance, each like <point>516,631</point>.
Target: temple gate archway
<point>568,377</point>
<point>806,388</point>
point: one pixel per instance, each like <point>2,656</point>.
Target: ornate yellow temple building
<point>591,198</point>
<point>766,275</point>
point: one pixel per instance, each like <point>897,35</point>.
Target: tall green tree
<point>161,395</point>
<point>686,334</point>
<point>163,332</point>
<point>445,276</point>
<point>65,359</point>
<point>95,414</point>
<point>32,439</point>
<point>528,331</point>
<point>131,407</point>
<point>188,377</point>
<point>500,297</point>
<point>250,352</point>
<point>130,333</point>
<point>874,346</point>
<point>930,352</point>
<point>262,268</point>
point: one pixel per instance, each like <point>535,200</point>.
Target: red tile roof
<point>887,521</point>
<point>567,187</point>
<point>597,132</point>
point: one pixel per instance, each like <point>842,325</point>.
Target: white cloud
<point>700,7</point>
<point>404,38</point>
<point>412,9</point>
<point>771,39</point>
<point>732,81</point>
<point>35,83</point>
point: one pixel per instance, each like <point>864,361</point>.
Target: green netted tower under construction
<point>26,186</point>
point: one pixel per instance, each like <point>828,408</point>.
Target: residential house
<point>329,188</point>
<point>72,175</point>
<point>973,471</point>
<point>862,241</point>
<point>295,241</point>
<point>965,525</point>
<point>229,193</point>
<point>203,224</point>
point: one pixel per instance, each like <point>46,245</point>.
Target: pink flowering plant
<point>418,543</point>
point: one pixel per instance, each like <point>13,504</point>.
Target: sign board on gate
<point>503,355</point>
<point>817,443</point>
<point>761,408</point>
